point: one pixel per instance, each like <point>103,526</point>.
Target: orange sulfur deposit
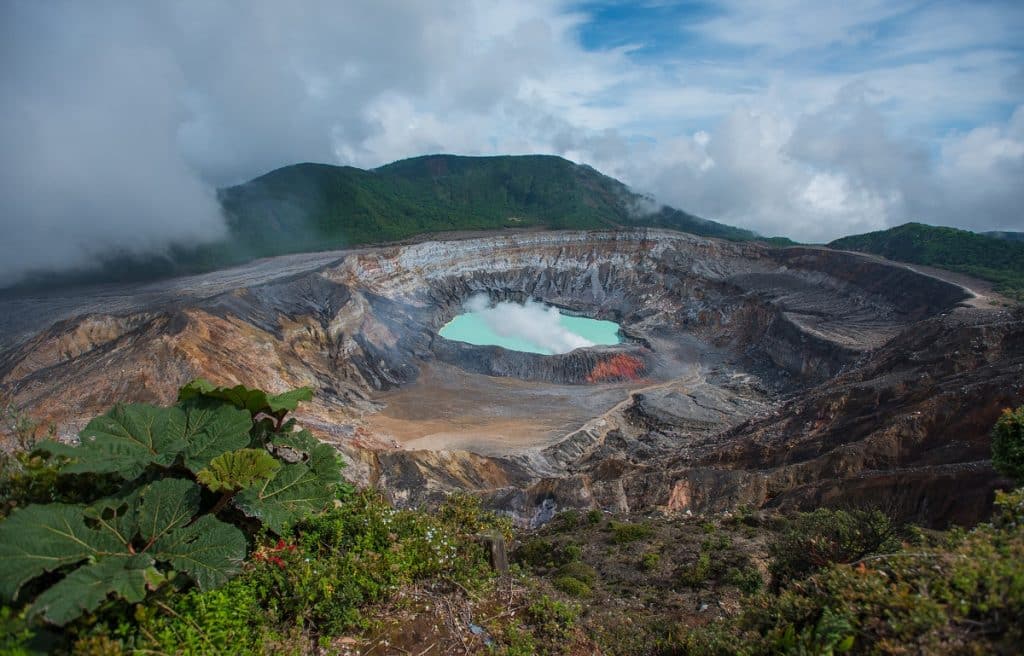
<point>618,367</point>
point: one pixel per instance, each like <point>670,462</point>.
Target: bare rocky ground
<point>756,376</point>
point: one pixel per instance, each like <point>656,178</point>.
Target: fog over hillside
<point>121,119</point>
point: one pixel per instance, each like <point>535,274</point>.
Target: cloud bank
<point>790,117</point>
<point>531,322</point>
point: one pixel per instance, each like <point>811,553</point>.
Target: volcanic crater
<point>748,374</point>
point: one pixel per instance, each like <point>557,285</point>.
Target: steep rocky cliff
<point>757,375</point>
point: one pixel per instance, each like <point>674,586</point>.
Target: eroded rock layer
<point>749,375</point>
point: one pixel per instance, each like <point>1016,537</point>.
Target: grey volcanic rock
<point>702,409</point>
<point>908,429</point>
<point>764,376</point>
<point>573,367</point>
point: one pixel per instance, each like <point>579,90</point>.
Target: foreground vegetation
<point>998,260</point>
<point>345,572</point>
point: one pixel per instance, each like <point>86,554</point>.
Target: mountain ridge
<point>343,205</point>
<point>997,260</point>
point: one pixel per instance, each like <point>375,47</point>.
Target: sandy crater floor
<point>449,408</point>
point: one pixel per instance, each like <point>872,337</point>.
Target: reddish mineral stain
<point>618,367</point>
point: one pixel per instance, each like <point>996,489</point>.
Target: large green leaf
<point>213,428</point>
<point>290,400</point>
<point>302,441</point>
<point>116,515</point>
<point>164,506</point>
<point>296,491</point>
<point>321,457</point>
<point>237,470</point>
<point>126,440</point>
<point>39,539</point>
<point>324,460</point>
<point>117,541</point>
<point>253,400</point>
<point>147,513</point>
<point>87,587</point>
<point>210,551</point>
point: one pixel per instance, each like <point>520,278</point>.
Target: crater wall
<point>728,334</point>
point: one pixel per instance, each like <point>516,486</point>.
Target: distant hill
<point>315,207</point>
<point>998,260</point>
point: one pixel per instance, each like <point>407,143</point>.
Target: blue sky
<point>745,48</point>
<point>802,118</point>
<point>928,91</point>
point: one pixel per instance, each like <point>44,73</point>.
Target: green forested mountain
<point>314,207</point>
<point>1000,261</point>
<point>317,206</point>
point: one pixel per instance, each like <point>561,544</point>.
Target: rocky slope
<point>767,376</point>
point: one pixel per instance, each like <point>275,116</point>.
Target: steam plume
<point>533,322</point>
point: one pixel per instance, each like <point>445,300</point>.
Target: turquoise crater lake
<point>530,327</point>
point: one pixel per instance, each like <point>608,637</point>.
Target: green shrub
<point>831,634</point>
<point>552,619</point>
<point>222,621</point>
<point>364,550</point>
<point>719,542</point>
<point>16,423</point>
<point>191,482</point>
<point>97,645</point>
<point>746,578</point>
<point>464,511</point>
<point>696,573</point>
<point>571,586</point>
<point>744,515</point>
<point>536,552</point>
<point>594,516</point>
<point>1008,445</point>
<point>1008,511</point>
<point>962,595</point>
<point>540,553</point>
<point>650,561</point>
<point>823,537</point>
<point>29,478</point>
<point>15,633</point>
<point>517,641</point>
<point>623,532</point>
<point>567,520</point>
<point>578,570</point>
<point>573,552</point>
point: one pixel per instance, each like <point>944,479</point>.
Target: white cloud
<point>793,118</point>
<point>980,177</point>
